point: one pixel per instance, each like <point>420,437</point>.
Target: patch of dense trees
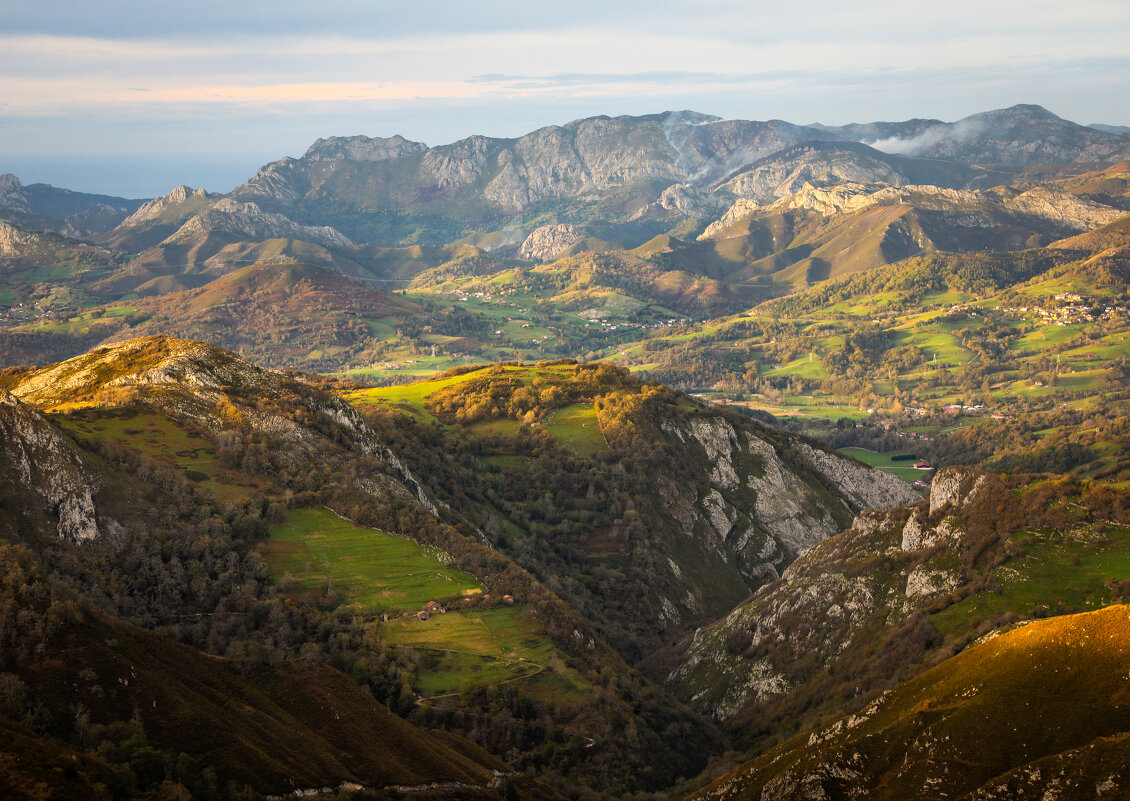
<point>499,393</point>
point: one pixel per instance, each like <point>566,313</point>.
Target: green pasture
<point>904,469</point>
<point>1046,337</point>
<point>576,428</point>
<point>81,323</point>
<point>1058,573</point>
<point>165,440</point>
<point>380,571</point>
<point>936,343</point>
<point>487,646</point>
<point>806,366</point>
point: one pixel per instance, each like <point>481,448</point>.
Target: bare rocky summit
<point>362,148</point>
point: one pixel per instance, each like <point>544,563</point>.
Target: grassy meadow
<point>379,571</point>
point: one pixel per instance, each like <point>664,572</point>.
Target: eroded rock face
<point>549,242</point>
<point>12,195</point>
<point>45,470</point>
<point>959,208</point>
<point>249,221</point>
<point>165,206</point>
<point>765,502</point>
<point>838,592</point>
<point>18,243</point>
<point>955,487</point>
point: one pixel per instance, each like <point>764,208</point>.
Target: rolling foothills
<point>638,457</point>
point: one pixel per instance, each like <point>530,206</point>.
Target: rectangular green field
<point>903,468</point>
<point>379,571</point>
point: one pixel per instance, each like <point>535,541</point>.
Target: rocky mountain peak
<point>12,195</point>
<point>362,148</point>
<point>166,206</point>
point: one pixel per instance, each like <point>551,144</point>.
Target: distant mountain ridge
<point>622,164</point>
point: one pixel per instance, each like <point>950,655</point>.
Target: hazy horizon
<point>130,99</point>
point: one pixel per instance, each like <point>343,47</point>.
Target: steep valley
<point>640,458</point>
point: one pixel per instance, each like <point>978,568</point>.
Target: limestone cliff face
<point>175,205</point>
<point>19,244</point>
<point>43,471</point>
<point>780,176</point>
<point>483,177</point>
<point>825,604</point>
<point>1039,208</point>
<point>549,242</point>
<point>12,194</point>
<point>249,221</point>
<point>762,500</point>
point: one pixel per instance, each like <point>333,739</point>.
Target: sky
<point>135,98</point>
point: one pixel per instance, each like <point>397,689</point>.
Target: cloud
<point>958,132</point>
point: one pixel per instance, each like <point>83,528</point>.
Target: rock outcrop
<point>19,244</point>
<point>248,221</point>
<point>549,242</point>
<point>44,475</point>
<point>12,194</point>
<point>362,148</point>
<point>175,205</point>
<point>827,604</point>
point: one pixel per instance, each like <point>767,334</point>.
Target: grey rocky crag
<point>168,206</point>
<point>19,244</point>
<point>248,221</point>
<point>962,208</point>
<point>549,241</point>
<point>43,472</point>
<point>362,148</point>
<point>761,499</point>
<point>827,604</point>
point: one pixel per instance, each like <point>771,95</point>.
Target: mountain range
<point>637,457</point>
